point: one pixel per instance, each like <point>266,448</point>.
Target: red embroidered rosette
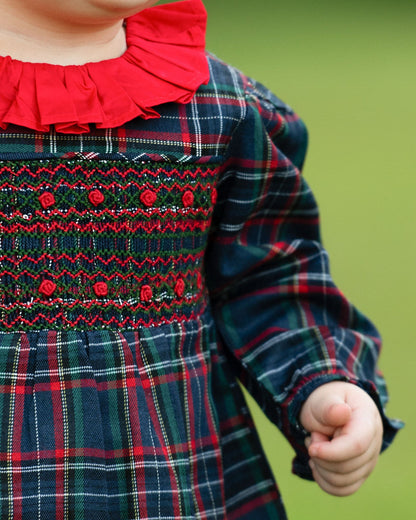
<point>47,287</point>
<point>46,200</point>
<point>96,197</point>
<point>148,198</point>
<point>187,198</point>
<point>100,288</point>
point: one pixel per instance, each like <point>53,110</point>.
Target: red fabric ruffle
<point>165,62</point>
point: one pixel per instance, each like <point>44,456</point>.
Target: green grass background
<point>349,70</point>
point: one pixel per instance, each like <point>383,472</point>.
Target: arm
<point>286,326</point>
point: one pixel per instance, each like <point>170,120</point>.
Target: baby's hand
<point>346,436</point>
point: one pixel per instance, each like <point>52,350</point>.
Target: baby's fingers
<point>343,479</point>
<point>349,465</point>
<point>345,447</point>
<point>339,485</point>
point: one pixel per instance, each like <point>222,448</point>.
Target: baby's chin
<point>78,12</point>
<point>121,8</point>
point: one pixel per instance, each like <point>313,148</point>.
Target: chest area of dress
<point>113,237</point>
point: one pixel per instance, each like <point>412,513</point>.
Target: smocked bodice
<point>102,243</point>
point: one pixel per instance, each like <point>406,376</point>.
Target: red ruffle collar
<point>164,62</point>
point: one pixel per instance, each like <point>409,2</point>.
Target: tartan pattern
<point>145,419</point>
<point>58,389</point>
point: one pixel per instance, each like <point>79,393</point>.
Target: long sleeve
<point>285,325</point>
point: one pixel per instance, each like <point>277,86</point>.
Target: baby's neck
<point>70,45</point>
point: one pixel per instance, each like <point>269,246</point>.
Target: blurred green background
<point>349,70</point>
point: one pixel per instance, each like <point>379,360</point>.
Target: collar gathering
<point>164,62</point>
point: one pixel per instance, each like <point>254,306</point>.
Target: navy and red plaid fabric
<point>143,269</point>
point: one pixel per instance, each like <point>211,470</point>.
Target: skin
<point>346,436</point>
<point>65,32</point>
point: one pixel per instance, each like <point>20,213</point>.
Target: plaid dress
<point>143,270</point>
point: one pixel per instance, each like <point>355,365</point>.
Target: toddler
<point>157,243</point>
